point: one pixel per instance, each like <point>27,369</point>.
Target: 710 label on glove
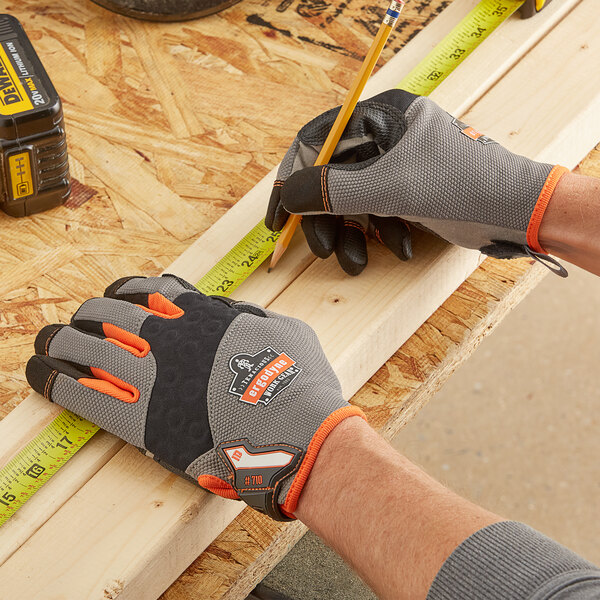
<point>260,377</point>
<point>240,458</point>
<point>258,467</point>
<point>257,472</point>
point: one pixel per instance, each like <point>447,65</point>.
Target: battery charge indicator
<point>21,180</point>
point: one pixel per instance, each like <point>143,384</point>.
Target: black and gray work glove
<point>403,157</point>
<point>234,397</point>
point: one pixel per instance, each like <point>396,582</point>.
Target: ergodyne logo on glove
<point>260,377</point>
<point>472,133</point>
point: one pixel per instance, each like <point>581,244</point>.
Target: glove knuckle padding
<point>169,286</point>
<point>488,184</point>
<point>127,420</point>
<point>177,427</point>
<point>108,310</point>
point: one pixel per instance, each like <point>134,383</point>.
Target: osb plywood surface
<point>168,125</point>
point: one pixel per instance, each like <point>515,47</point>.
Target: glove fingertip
<point>274,206</point>
<point>393,233</point>
<point>305,191</point>
<point>38,373</point>
<point>401,245</point>
<point>351,248</point>
<point>42,371</point>
<point>320,233</point>
<point>112,290</point>
<point>44,337</point>
<point>280,218</point>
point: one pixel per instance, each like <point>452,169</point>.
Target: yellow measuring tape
<point>45,454</point>
<point>457,45</point>
<point>64,436</point>
<point>240,262</point>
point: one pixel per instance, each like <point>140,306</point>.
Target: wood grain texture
<point>124,234</point>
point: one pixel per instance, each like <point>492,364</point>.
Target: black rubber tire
<point>166,10</point>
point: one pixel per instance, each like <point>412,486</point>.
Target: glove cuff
<point>288,508</point>
<point>260,475</point>
<point>540,208</point>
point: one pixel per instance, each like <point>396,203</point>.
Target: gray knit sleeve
<point>511,561</point>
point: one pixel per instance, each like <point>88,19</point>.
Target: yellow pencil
<point>389,21</point>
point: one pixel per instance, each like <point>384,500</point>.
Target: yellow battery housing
<point>34,167</point>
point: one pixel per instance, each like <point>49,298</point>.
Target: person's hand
<point>403,157</point>
<point>236,398</point>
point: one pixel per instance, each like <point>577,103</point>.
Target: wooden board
<point>133,580</point>
<point>253,544</point>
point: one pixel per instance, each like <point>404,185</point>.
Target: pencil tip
<point>279,250</point>
<point>269,270</point>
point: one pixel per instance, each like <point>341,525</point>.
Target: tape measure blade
<point>457,45</point>
<point>40,459</point>
<point>240,262</point>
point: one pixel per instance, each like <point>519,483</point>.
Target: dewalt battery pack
<point>34,170</point>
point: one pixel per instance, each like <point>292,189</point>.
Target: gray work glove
<point>236,398</point>
<point>403,157</point>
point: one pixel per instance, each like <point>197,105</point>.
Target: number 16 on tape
<point>51,448</point>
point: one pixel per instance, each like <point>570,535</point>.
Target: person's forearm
<point>389,520</point>
<point>570,228</point>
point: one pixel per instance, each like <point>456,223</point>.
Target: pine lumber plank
<point>83,464</point>
<point>252,545</point>
<point>124,596</point>
<point>511,44</point>
<point>536,134</point>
